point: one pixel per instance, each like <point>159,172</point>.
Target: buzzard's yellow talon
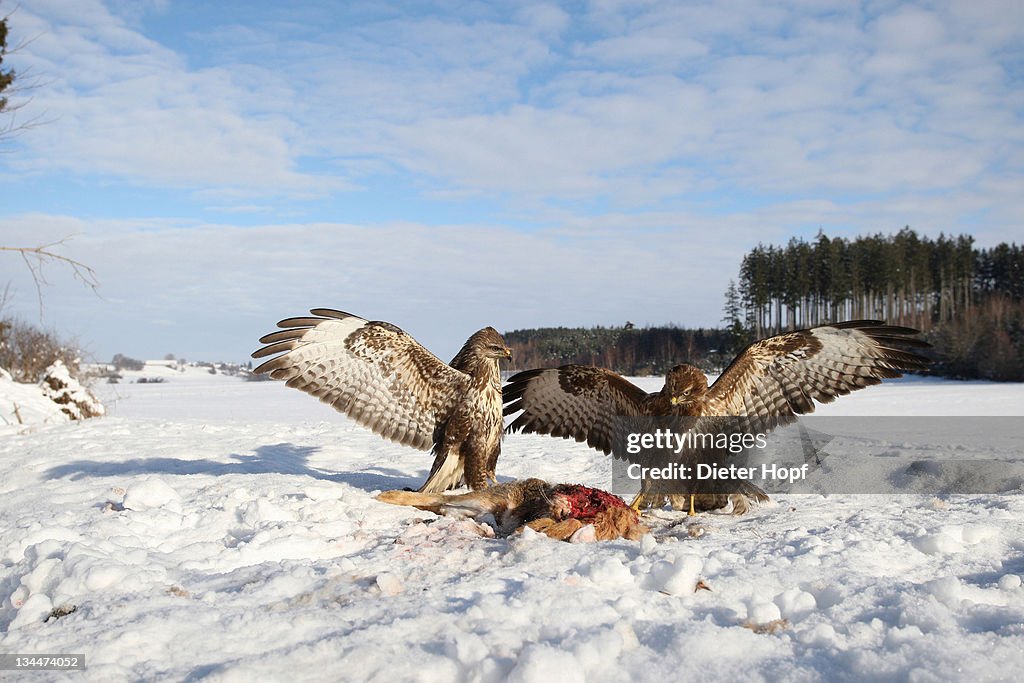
<point>692,512</point>
<point>637,503</point>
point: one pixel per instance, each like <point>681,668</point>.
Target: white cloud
<point>652,50</point>
<point>547,19</point>
<point>908,29</point>
<point>655,142</point>
<point>124,106</point>
<point>648,101</point>
<point>224,286</point>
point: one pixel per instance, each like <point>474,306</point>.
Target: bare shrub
<point>26,351</point>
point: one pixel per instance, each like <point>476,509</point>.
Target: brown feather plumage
<point>385,380</point>
<point>769,383</point>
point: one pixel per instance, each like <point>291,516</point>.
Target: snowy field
<point>214,529</point>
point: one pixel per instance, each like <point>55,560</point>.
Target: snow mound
<point>25,404</point>
<point>76,401</point>
<point>150,494</point>
<point>678,576</point>
<point>57,398</point>
<point>539,663</point>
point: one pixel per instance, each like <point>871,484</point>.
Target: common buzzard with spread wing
<point>768,384</point>
<point>385,380</point>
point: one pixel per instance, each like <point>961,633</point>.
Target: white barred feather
<point>774,379</point>
<point>372,371</point>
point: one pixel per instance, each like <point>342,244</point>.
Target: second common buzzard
<point>769,383</point>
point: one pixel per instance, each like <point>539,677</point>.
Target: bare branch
<point>12,128</point>
<point>36,257</point>
<point>16,85</point>
<point>5,297</point>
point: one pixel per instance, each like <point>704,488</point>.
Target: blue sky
<point>446,166</point>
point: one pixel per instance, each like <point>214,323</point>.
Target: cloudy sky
<point>452,165</point>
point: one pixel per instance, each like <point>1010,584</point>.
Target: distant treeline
<point>967,300</point>
<point>626,350</point>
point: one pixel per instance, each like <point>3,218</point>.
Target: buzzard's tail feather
<point>447,471</point>
<point>752,491</point>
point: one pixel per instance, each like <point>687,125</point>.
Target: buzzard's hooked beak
<point>508,353</point>
<point>674,401</point>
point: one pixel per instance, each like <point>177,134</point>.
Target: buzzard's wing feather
<point>573,402</point>
<point>775,379</point>
<point>372,371</point>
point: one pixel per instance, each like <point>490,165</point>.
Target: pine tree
<point>970,301</point>
<point>733,318</point>
<point>6,77</point>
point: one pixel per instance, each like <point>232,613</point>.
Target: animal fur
<point>556,510</point>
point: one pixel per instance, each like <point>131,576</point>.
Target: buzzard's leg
<point>476,472</point>
<point>641,500</point>
<point>492,464</point>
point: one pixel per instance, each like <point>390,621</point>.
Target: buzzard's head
<point>486,344</point>
<point>685,384</point>
<point>489,343</point>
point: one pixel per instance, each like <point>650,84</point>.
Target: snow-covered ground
<point>215,529</point>
<point>25,404</point>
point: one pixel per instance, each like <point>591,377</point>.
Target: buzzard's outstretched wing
<point>372,371</point>
<point>774,379</point>
<point>573,401</point>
